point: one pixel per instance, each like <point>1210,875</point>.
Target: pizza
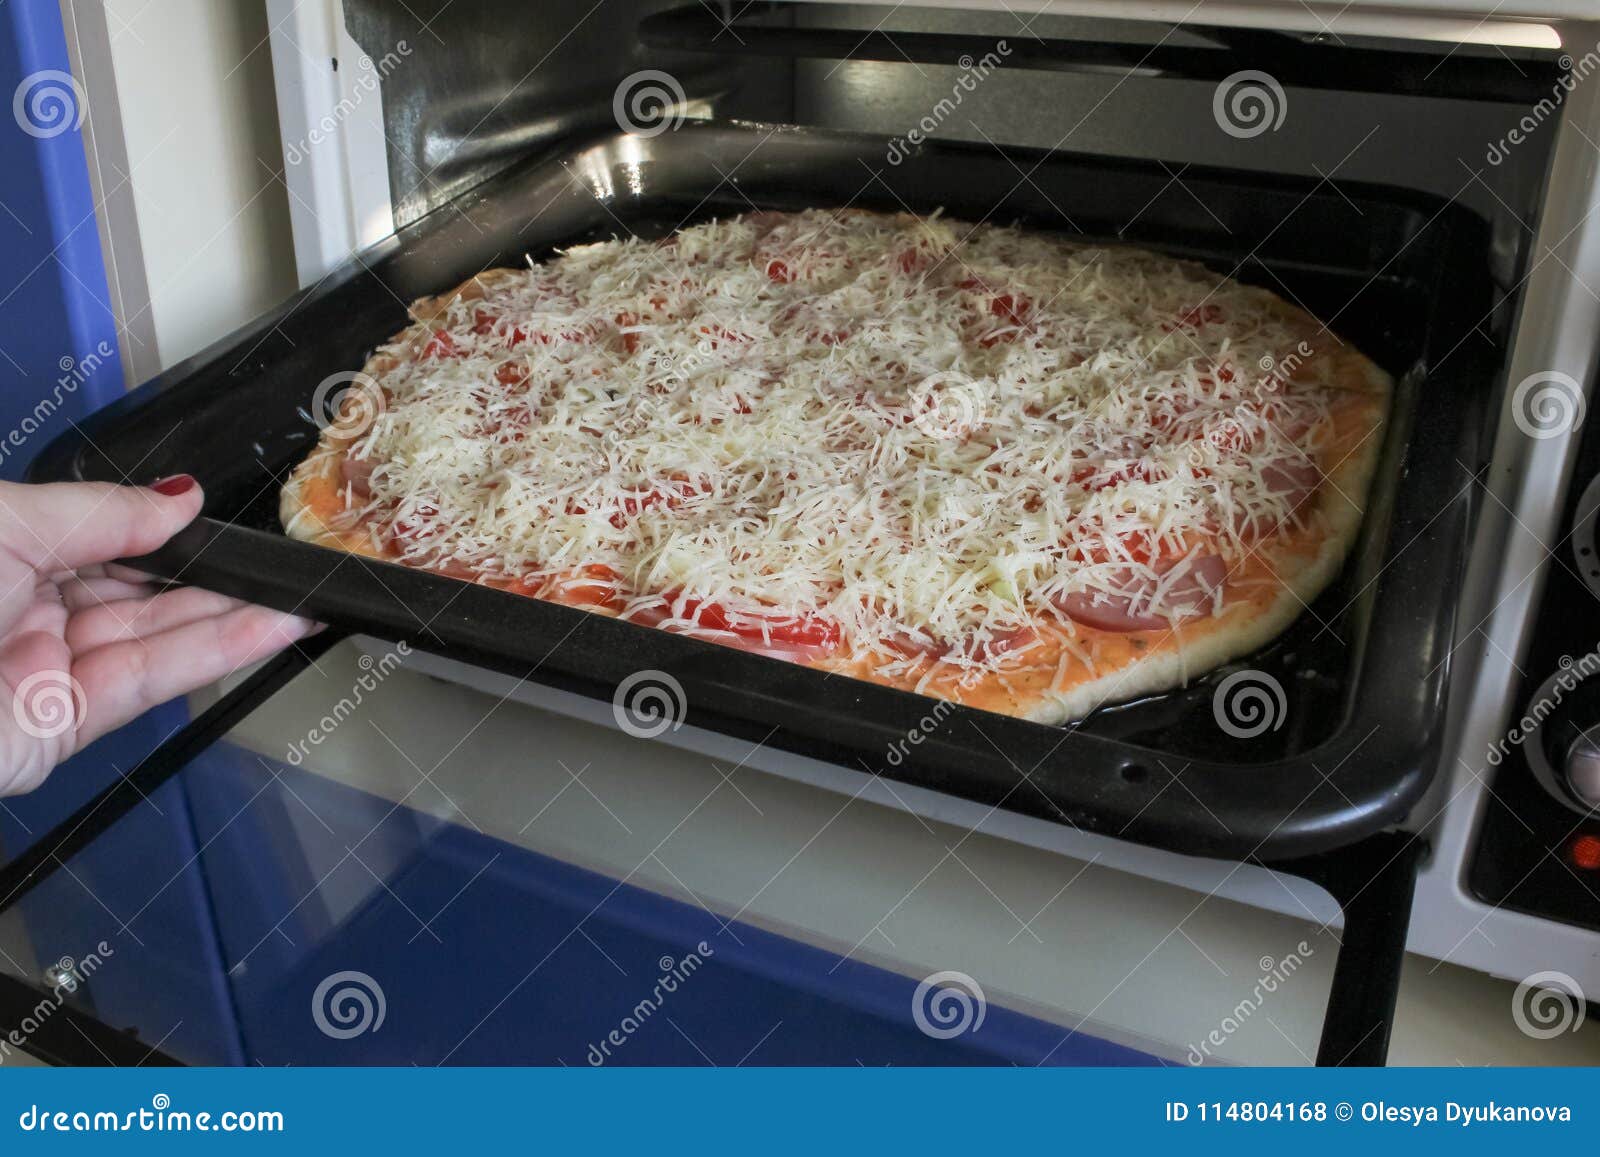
<point>1015,470</point>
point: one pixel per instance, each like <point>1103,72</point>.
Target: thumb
<point>66,525</point>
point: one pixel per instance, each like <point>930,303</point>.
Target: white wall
<point>193,85</point>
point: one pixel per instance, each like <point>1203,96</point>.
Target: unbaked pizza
<point>1018,471</point>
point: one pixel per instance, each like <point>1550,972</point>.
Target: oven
<point>1409,767</point>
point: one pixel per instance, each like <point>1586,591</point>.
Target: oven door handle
<point>1373,881</point>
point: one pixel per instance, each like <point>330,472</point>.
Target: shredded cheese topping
<point>914,430</point>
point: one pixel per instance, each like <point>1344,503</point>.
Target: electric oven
<point>1410,766</point>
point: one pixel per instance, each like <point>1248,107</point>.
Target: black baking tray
<point>1363,672</point>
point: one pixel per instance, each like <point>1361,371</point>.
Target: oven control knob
<point>1583,770</point>
<point>1563,753</point>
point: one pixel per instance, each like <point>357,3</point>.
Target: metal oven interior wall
<point>489,82</point>
<point>498,80</point>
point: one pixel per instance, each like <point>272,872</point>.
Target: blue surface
<point>487,953</point>
<point>58,336</point>
<point>136,889</point>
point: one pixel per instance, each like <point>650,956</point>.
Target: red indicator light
<point>1585,852</point>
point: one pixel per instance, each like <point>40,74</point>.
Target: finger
<point>46,613</point>
<point>114,570</point>
<point>123,679</point>
<point>128,574</point>
<point>82,593</point>
<point>67,525</point>
<point>37,608</point>
<point>19,584</point>
<point>138,618</point>
<point>40,709</point>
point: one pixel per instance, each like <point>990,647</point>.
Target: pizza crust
<point>1167,669</point>
<point>309,510</point>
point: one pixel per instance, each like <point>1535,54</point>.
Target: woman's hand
<point>86,645</point>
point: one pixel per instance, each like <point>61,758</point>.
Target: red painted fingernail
<point>174,485</point>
